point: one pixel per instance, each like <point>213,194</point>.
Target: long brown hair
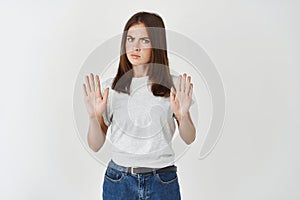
<point>158,68</point>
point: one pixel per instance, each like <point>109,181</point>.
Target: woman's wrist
<point>180,117</point>
<point>94,116</point>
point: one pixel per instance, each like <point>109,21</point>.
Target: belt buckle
<point>131,170</point>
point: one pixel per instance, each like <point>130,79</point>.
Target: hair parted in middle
<point>158,67</point>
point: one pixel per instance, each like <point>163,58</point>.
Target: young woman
<point>141,105</point>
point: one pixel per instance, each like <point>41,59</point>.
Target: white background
<point>254,45</point>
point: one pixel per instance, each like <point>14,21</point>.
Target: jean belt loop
<point>154,171</point>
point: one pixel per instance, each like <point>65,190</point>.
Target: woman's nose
<point>136,46</point>
<point>136,49</point>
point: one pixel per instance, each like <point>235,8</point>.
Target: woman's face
<point>138,45</point>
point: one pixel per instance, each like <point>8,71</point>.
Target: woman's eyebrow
<point>140,37</point>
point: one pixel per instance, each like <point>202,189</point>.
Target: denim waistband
<point>114,165</point>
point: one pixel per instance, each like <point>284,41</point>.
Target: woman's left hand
<point>180,101</point>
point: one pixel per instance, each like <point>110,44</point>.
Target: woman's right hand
<point>94,101</point>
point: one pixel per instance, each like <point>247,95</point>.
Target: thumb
<point>172,94</point>
<point>105,96</point>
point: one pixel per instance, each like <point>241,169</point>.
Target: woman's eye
<point>146,41</point>
<point>129,39</point>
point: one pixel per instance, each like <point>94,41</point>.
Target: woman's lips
<point>135,56</point>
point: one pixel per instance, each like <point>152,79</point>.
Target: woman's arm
<point>96,105</point>
<point>96,133</point>
<point>180,102</point>
<point>186,128</point>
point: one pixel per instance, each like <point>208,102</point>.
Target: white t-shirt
<point>142,125</point>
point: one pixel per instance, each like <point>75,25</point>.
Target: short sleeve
<point>108,114</point>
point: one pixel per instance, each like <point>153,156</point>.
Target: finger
<point>88,84</point>
<point>92,82</point>
<point>191,90</point>
<point>84,90</point>
<point>183,82</point>
<point>187,85</point>
<point>98,87</point>
<point>178,85</point>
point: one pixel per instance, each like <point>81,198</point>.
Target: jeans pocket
<point>167,177</point>
<point>113,175</point>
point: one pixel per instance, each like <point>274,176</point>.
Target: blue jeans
<point>121,185</point>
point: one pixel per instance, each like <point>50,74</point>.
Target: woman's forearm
<point>186,128</point>
<point>96,136</point>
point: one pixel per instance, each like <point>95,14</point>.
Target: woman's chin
<point>135,64</point>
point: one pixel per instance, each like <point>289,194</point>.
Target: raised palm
<point>94,101</point>
<point>181,99</point>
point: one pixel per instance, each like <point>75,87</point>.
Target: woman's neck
<point>139,71</point>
